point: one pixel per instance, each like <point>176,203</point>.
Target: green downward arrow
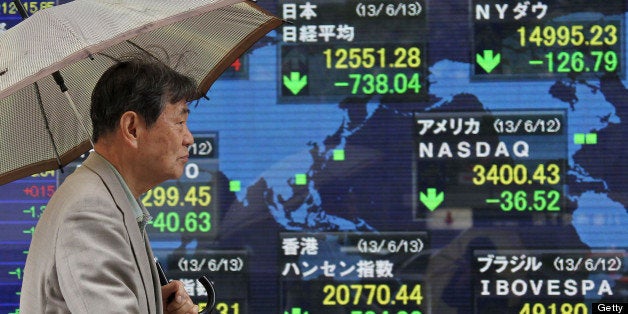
<point>295,82</point>
<point>432,200</point>
<point>487,60</point>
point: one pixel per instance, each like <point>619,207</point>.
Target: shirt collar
<point>142,215</point>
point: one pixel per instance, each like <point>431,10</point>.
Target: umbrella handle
<point>211,295</point>
<point>207,284</point>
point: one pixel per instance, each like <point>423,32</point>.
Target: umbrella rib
<point>137,47</point>
<point>77,114</point>
<point>43,114</point>
<point>112,58</point>
<point>143,50</point>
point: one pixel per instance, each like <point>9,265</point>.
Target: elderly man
<point>90,252</point>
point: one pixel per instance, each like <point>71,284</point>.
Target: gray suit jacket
<point>87,254</point>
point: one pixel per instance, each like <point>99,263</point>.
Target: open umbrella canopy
<point>39,129</point>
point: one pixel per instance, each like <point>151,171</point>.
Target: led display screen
<point>395,157</point>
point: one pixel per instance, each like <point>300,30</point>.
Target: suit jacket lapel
<point>140,247</point>
<point>153,266</point>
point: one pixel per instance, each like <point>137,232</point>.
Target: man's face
<point>165,146</point>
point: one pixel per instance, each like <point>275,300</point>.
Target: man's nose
<point>188,138</point>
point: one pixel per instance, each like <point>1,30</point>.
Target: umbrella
<point>43,128</point>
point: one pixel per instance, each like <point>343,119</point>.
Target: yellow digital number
<point>611,37</point>
<point>225,308</point>
<point>410,57</point>
<point>355,58</point>
<point>563,35</point>
<point>549,174</point>
<point>200,196</point>
<point>603,35</point>
<point>160,196</point>
<point>499,174</point>
<point>370,57</point>
<point>554,172</point>
<point>577,36</point>
<point>31,7</point>
<point>492,175</point>
<point>406,297</point>
<point>414,57</point>
<point>340,54</point>
<point>507,174</point>
<point>553,308</point>
<point>479,177</point>
<point>49,173</point>
<point>371,294</point>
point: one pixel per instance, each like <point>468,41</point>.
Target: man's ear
<point>130,122</point>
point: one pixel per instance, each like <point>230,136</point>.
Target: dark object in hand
<point>209,287</point>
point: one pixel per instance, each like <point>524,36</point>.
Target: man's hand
<point>180,303</point>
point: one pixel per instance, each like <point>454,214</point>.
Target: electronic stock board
<point>395,157</point>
